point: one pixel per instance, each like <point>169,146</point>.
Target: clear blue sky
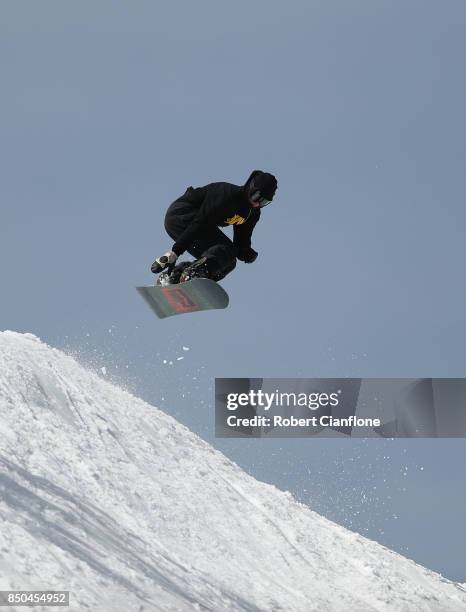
<point>110,109</point>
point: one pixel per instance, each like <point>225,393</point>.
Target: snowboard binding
<point>183,272</point>
<point>171,275</point>
<point>197,269</point>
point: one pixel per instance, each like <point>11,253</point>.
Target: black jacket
<point>218,204</point>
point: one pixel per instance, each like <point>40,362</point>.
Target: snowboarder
<point>193,221</point>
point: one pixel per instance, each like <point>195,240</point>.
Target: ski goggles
<point>257,197</point>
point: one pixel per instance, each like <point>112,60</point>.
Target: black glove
<point>163,261</point>
<point>247,255</point>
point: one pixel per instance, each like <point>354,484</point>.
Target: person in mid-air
<point>193,221</point>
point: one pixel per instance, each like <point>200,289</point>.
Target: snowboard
<point>190,296</point>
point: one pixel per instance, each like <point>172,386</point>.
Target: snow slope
<point>113,500</point>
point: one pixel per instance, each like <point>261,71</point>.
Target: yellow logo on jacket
<point>235,220</point>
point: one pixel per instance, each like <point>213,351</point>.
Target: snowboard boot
<point>197,269</point>
<point>172,277</point>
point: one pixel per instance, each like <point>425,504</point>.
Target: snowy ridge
<point>108,497</point>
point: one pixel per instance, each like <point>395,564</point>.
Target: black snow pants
<point>211,243</point>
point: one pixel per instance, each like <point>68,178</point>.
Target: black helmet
<point>262,187</point>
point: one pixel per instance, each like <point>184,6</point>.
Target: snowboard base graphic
<point>191,296</point>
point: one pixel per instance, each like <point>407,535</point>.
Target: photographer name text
<point>292,421</point>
